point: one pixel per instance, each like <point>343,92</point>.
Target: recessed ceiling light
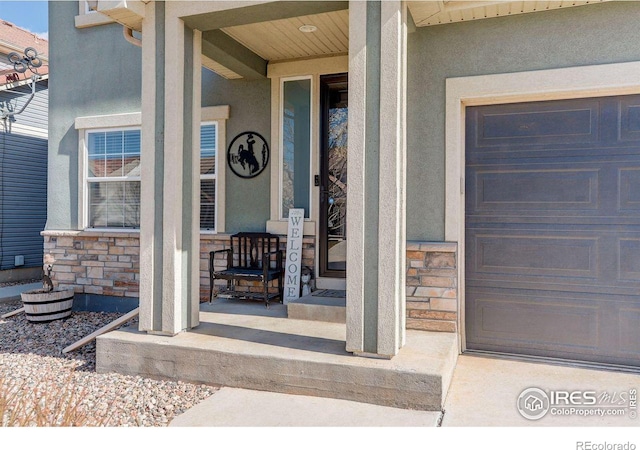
<point>308,28</point>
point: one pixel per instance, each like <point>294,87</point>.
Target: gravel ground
<point>16,283</point>
<point>33,367</point>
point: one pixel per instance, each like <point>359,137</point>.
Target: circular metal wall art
<point>248,154</point>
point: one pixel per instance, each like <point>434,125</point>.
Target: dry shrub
<point>44,403</point>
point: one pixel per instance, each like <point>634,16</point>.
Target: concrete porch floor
<point>242,344</point>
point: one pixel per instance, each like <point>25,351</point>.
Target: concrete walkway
<point>483,393</point>
<point>9,293</point>
<point>232,407</point>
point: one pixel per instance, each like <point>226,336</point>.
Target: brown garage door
<point>553,229</point>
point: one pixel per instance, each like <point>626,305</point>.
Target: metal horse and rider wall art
<point>248,154</point>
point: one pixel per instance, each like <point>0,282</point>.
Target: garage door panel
<point>629,119</point>
<point>535,124</point>
<point>584,259</point>
<point>629,189</point>
<point>535,255</point>
<point>628,264</point>
<point>629,331</point>
<point>528,219</point>
<point>536,322</point>
<point>536,189</point>
<point>553,229</point>
<point>562,325</point>
<point>576,188</point>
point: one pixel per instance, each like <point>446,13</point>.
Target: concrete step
<point>245,345</point>
<point>318,308</point>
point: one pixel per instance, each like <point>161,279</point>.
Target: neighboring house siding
<point>593,34</point>
<point>94,71</point>
<point>35,114</point>
<point>23,177</point>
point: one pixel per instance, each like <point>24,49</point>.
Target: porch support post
<point>170,200</point>
<point>376,246</point>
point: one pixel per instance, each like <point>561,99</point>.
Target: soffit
<point>279,40</point>
<point>426,13</point>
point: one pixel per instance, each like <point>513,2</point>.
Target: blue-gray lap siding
<point>23,177</point>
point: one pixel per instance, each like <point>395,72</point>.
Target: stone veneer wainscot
<point>108,263</point>
<point>432,288</point>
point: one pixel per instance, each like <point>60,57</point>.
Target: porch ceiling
<point>240,42</point>
<point>281,39</point>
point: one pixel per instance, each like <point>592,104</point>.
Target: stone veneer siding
<point>94,262</point>
<point>211,242</point>
<point>432,291</point>
<point>107,263</point>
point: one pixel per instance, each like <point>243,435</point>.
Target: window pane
<point>96,152</point>
<point>114,154</point>
<point>208,149</point>
<point>208,204</point>
<point>114,204</point>
<point>296,146</point>
<point>114,144</point>
<point>131,156</point>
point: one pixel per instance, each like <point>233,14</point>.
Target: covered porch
<point>243,344</point>
<point>355,349</point>
<point>372,356</point>
<point>258,41</point>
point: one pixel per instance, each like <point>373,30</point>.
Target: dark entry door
<point>553,229</point>
<point>333,175</point>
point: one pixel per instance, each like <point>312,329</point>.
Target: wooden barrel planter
<point>41,305</point>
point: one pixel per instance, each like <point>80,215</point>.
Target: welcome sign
<point>294,255</point>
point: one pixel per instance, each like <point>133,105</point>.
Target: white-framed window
<point>112,178</point>
<point>109,166</point>
<point>208,175</point>
<point>296,102</point>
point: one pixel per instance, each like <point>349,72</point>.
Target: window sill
<point>93,232</point>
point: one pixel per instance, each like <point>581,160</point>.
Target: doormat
<point>332,293</point>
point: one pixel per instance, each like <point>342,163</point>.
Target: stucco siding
<point>594,34</point>
<point>247,200</point>
<point>94,71</point>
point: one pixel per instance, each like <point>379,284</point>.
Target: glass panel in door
<point>333,176</point>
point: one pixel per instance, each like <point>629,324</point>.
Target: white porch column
<point>377,170</point>
<point>170,160</point>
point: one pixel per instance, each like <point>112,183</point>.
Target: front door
<point>333,176</point>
